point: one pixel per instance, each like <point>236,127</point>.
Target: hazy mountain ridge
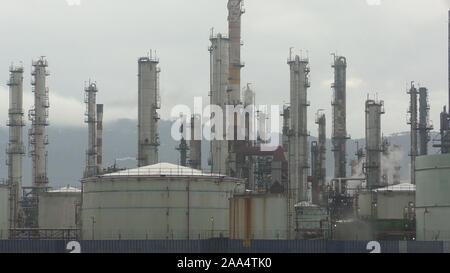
<point>66,151</point>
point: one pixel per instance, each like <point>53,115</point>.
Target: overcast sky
<point>387,46</point>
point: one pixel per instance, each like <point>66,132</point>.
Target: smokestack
<point>38,116</point>
<point>374,110</point>
<point>340,117</point>
<point>99,138</point>
<point>235,12</point>
<point>16,149</point>
<point>413,122</point>
<point>219,53</point>
<point>195,156</point>
<point>91,119</point>
<point>183,148</point>
<point>149,103</point>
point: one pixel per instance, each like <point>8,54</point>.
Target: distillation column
<point>298,141</point>
<point>91,119</point>
<point>339,117</point>
<point>424,121</point>
<point>219,52</point>
<point>413,123</point>
<point>235,12</point>
<point>16,149</point>
<point>372,167</point>
<point>38,116</point>
<point>99,138</point>
<point>149,103</point>
<point>195,144</point>
<point>322,155</point>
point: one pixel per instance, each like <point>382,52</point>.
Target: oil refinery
<point>251,191</point>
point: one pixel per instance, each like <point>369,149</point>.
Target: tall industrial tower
<point>413,123</point>
<point>235,12</point>
<point>99,138</point>
<point>219,54</point>
<point>91,119</point>
<point>149,103</point>
<point>322,158</point>
<point>39,120</point>
<point>298,139</point>
<point>195,144</point>
<point>16,149</point>
<point>424,121</point>
<point>339,117</point>
<point>374,148</point>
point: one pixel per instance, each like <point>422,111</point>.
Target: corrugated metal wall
<point>223,246</point>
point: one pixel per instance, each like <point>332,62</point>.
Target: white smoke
<point>389,162</point>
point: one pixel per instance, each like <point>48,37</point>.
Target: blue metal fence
<point>221,246</point>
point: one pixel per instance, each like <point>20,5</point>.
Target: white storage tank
<point>4,212</point>
<point>157,202</point>
<point>433,197</point>
<point>58,209</point>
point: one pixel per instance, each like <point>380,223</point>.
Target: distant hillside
<point>67,150</point>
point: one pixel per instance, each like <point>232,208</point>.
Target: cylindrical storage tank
<point>157,202</point>
<point>433,197</point>
<point>4,212</point>
<point>59,209</point>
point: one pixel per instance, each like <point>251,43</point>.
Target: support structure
<point>16,149</point>
<point>38,116</point>
<point>340,117</point>
<point>149,103</point>
<point>219,54</point>
<point>99,138</point>
<point>424,121</point>
<point>413,123</point>
<point>374,148</point>
<point>91,119</point>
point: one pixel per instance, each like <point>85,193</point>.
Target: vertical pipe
<point>322,149</point>
<point>16,148</point>
<point>39,118</point>
<point>235,12</point>
<point>424,126</point>
<point>99,138</point>
<point>149,103</point>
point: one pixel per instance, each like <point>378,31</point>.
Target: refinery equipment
<point>157,202</point>
<point>148,103</point>
<point>339,103</point>
<point>372,167</point>
<point>318,162</point>
<point>424,125</point>
<point>413,123</point>
<point>39,118</point>
<point>219,81</point>
<point>99,138</point>
<point>183,147</point>
<point>16,149</point>
<point>298,132</point>
<point>195,144</point>
<point>91,119</point>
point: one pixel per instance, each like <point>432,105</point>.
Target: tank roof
<point>68,188</point>
<point>399,187</point>
<point>163,169</point>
